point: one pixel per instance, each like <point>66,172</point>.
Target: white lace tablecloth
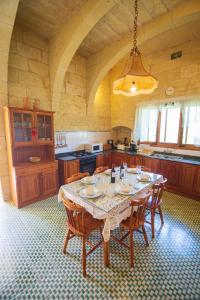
<point>110,206</point>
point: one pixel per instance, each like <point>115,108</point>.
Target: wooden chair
<point>80,223</point>
<point>76,177</point>
<point>100,170</point>
<point>143,168</point>
<point>154,204</point>
<point>134,222</point>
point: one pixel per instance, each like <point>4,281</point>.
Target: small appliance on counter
<point>133,147</point>
<point>94,147</point>
<point>111,142</point>
<point>107,147</point>
<point>121,147</point>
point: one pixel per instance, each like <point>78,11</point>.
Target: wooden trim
<point>180,130</point>
<point>158,127</point>
<point>29,110</point>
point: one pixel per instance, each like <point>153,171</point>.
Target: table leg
<point>106,254</point>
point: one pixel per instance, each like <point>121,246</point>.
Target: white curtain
<point>147,115</point>
<point>191,122</point>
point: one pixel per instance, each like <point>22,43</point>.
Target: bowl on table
<point>132,170</point>
<point>107,172</point>
<point>125,189</point>
<point>34,159</point>
<point>144,178</point>
<point>90,192</point>
<point>89,180</point>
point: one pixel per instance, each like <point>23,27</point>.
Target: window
<point>148,126</point>
<point>191,125</point>
<point>169,125</point>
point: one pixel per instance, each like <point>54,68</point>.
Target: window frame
<point>178,145</point>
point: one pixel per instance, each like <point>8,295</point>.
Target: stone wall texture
<point>28,73</point>
<point>7,17</point>
<point>72,113</point>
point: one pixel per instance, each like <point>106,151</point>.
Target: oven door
<point>88,165</point>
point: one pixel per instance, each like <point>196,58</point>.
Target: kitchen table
<point>110,206</point>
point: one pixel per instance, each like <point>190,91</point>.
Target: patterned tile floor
<point>32,265</point>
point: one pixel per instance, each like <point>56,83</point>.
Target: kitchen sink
<point>166,156</point>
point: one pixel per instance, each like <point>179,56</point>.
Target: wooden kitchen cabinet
<point>118,158</point>
<point>72,167</point>
<point>28,189</point>
<point>139,160</point>
<point>100,160</point>
<point>67,168</point>
<point>108,159</point>
<point>196,186</point>
<point>186,178</point>
<point>30,134</point>
<point>39,182</point>
<point>49,181</point>
<point>170,170</point>
<point>153,164</point>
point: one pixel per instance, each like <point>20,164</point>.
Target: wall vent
<point>176,55</point>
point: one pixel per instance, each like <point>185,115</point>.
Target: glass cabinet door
<point>22,127</point>
<point>44,127</point>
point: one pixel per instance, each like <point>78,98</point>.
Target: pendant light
<point>135,80</point>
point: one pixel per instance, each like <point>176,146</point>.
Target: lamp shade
<point>135,80</point>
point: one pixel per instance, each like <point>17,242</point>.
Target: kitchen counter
<point>184,159</point>
<point>194,160</point>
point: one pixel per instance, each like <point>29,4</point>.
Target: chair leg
<point>66,240</point>
<point>84,256</point>
<point>145,235</point>
<point>131,249</point>
<point>161,214</point>
<point>152,223</point>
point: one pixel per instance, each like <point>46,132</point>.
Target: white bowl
<point>88,180</point>
<point>34,159</point>
<point>132,170</point>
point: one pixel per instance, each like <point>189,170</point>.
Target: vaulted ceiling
<point>47,16</point>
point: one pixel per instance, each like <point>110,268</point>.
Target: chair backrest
<point>100,170</point>
<point>138,208</point>
<point>75,216</point>
<point>76,177</point>
<point>157,192</point>
<point>144,169</point>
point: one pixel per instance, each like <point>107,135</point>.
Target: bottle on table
<point>113,174</point>
<point>122,171</point>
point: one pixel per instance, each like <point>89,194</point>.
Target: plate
<point>144,179</point>
<point>107,172</point>
<point>126,194</point>
<point>119,191</point>
<point>132,170</point>
<point>88,180</point>
<point>84,195</point>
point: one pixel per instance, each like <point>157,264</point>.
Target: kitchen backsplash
<point>75,140</point>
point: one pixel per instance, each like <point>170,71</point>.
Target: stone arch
<point>100,63</point>
<point>65,44</point>
<point>8,10</point>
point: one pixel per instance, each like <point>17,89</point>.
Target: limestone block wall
<point>28,72</point>
<point>72,110</point>
<point>7,17</point>
<point>182,74</point>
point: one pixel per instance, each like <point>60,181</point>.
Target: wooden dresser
<point>30,133</point>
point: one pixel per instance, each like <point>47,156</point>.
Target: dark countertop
<point>185,158</point>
